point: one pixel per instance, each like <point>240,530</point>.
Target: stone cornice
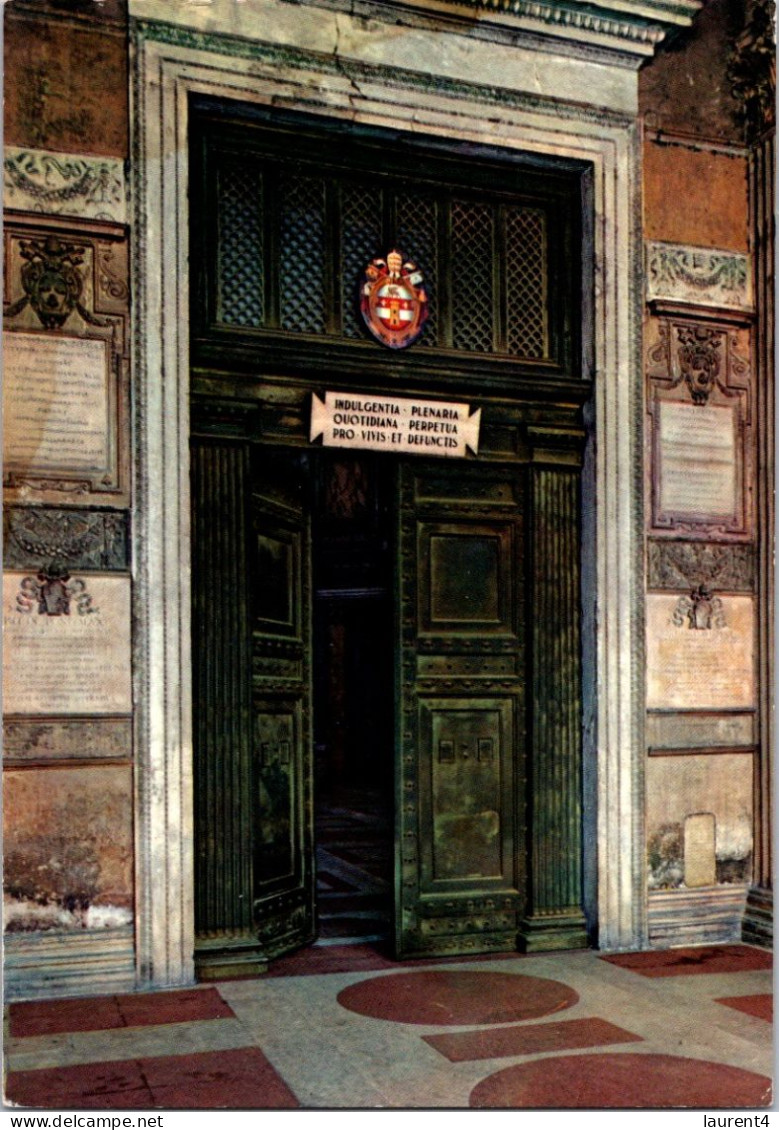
<point>393,77</point>
<point>627,30</point>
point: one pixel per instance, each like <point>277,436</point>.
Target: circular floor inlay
<point>451,996</point>
<point>631,1081</point>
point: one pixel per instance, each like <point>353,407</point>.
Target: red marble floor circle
<point>453,996</point>
<point>630,1081</point>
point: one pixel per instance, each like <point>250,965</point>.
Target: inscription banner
<point>395,424</point>
<point>72,663</point>
<point>56,403</point>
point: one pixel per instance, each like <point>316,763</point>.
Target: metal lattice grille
<point>361,241</point>
<point>416,224</point>
<point>241,280</point>
<point>526,285</point>
<point>300,218</point>
<point>302,254</point>
<point>473,301</point>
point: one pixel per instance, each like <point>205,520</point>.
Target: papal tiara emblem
<point>393,300</point>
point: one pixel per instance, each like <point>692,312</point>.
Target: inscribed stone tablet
<point>697,461</point>
<point>56,403</point>
<point>77,663</point>
<point>700,864</point>
<point>699,668</point>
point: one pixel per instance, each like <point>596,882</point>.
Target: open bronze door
<point>252,689</point>
<point>460,842</point>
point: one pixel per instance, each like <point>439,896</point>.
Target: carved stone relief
<point>53,592</point>
<point>78,539</point>
<point>701,610</point>
<point>698,276</point>
<point>66,330</point>
<point>681,564</point>
<point>64,184</point>
<point>700,434</point>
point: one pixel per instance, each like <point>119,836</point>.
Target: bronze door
<point>252,660</point>
<point>460,843</point>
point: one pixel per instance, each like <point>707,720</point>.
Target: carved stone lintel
<point>78,539</point>
<point>63,184</point>
<point>674,565</point>
<point>698,276</point>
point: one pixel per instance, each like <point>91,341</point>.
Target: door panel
<point>466,754</point>
<point>460,802</point>
<point>279,584</point>
<point>251,668</point>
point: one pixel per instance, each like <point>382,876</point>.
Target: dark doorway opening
<point>354,741</point>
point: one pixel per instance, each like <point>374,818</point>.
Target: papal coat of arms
<point>393,300</point>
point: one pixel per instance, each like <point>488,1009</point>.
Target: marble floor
<point>343,1026</point>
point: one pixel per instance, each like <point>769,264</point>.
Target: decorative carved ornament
<point>52,280</point>
<point>64,184</point>
<point>66,322</point>
<point>702,610</point>
<point>80,539</point>
<point>700,359</point>
<point>700,440</point>
<point>698,276</point>
<point>53,591</point>
<point>621,27</point>
<point>674,565</point>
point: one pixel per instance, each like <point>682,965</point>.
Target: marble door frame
<point>171,63</point>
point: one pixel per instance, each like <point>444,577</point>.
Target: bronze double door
<point>458,668</point>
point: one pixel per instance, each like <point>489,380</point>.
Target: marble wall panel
<point>679,787</point>
<point>68,854</point>
<point>67,644</point>
<point>695,197</point>
<point>701,667</point>
<point>70,91</point>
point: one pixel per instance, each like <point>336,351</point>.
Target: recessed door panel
<point>466,748</point>
<point>278,769</point>
<point>467,577</point>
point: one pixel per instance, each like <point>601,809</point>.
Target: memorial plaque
<point>394,424</point>
<point>699,668</point>
<point>57,404</point>
<point>74,662</point>
<point>697,453</point>
<point>700,863</point>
